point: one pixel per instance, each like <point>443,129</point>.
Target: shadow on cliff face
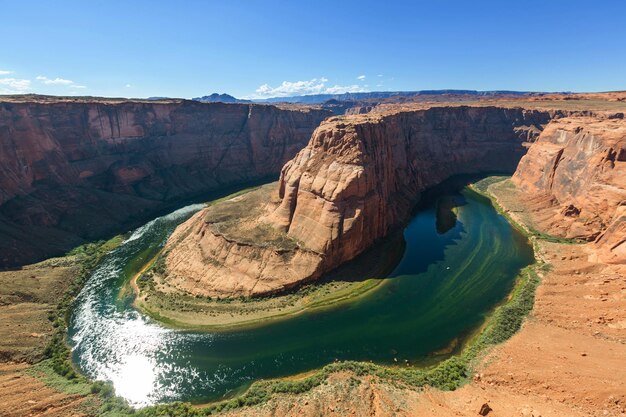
<point>86,215</point>
<point>437,209</point>
<point>78,171</point>
<point>377,262</point>
<point>447,207</point>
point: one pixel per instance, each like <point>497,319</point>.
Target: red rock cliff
<point>80,170</point>
<point>575,176</point>
<point>356,180</point>
<point>360,177</point>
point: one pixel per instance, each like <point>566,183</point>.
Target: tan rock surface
<point>357,179</point>
<point>574,176</point>
<point>227,250</point>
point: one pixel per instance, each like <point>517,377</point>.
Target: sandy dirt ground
<point>25,395</point>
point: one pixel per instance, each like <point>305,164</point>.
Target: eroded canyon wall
<point>357,179</point>
<point>71,171</point>
<point>360,177</point>
<point>574,176</point>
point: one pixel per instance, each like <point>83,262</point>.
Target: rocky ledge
<point>228,250</point>
<point>574,178</point>
<point>357,179</point>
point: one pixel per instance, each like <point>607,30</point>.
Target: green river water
<point>451,274</point>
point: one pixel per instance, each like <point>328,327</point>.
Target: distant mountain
<point>320,98</point>
<point>346,97</point>
<point>220,98</point>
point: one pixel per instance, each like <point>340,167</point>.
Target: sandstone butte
<point>76,170</point>
<point>360,176</point>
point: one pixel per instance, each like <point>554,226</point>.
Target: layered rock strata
<point>75,170</point>
<point>357,179</point>
<point>574,176</point>
<point>227,250</point>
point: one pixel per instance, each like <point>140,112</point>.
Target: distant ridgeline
<point>220,98</point>
<point>321,98</point>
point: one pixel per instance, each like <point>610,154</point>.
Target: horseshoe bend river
<point>451,274</point>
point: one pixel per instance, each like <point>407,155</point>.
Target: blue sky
<point>272,48</point>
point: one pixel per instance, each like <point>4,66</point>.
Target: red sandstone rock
<point>576,175</point>
<point>74,170</point>
<point>357,179</point>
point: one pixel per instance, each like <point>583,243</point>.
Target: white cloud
<point>21,86</point>
<point>55,81</point>
<point>360,77</point>
<point>59,82</point>
<point>297,88</point>
<point>379,75</point>
<point>339,89</point>
<point>128,86</point>
<point>14,85</point>
<point>291,88</point>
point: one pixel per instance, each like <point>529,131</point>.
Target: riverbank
<point>189,312</point>
<point>194,313</point>
<point>36,374</point>
<point>156,297</point>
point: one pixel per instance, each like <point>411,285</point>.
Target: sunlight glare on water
<point>129,354</point>
<point>135,379</point>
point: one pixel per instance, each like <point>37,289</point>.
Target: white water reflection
<point>136,378</point>
<point>129,353</point>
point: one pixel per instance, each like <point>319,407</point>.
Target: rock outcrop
<point>575,177</point>
<point>75,170</point>
<point>227,250</point>
<point>358,178</point>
